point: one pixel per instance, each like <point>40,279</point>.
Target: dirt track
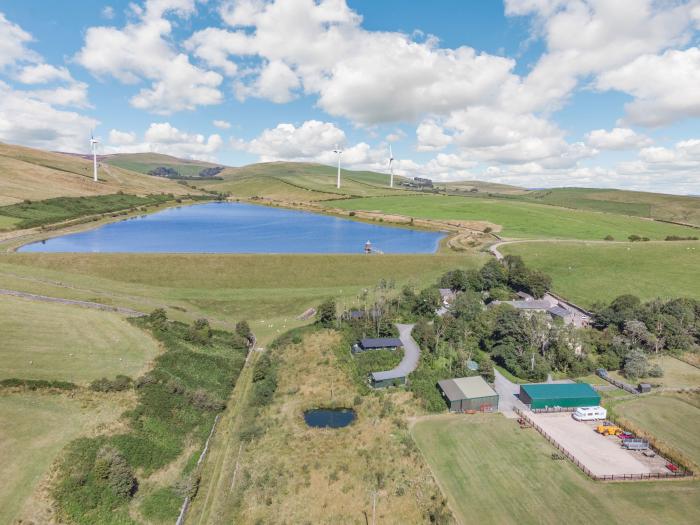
<point>73,302</point>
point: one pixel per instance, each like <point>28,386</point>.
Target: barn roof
<point>554,390</point>
<point>381,342</point>
<point>466,388</point>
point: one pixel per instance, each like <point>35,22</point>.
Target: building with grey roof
<point>464,394</point>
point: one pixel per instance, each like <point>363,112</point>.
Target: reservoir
<point>228,227</point>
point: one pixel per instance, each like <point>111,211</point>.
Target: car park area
<point>601,455</point>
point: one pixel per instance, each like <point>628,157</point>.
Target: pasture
<point>677,374</point>
<point>41,425</point>
<point>587,273</point>
<point>54,341</point>
<point>493,472</point>
<point>270,291</point>
<point>519,219</point>
<point>674,419</point>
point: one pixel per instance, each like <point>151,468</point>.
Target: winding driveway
<point>411,356</point>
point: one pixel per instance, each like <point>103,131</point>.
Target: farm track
<point>218,477</point>
<point>72,302</point>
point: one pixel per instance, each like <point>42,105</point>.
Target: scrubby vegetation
<point>37,384</point>
<point>177,403</point>
<point>39,213</point>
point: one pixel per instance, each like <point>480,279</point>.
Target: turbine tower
<point>391,168</point>
<point>93,143</point>
<point>338,152</point>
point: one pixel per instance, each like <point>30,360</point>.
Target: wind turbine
<point>338,152</point>
<point>391,168</point>
<point>93,143</point>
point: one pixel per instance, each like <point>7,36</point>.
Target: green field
<point>494,472</point>
<point>677,374</point>
<point>69,343</point>
<point>519,219</point>
<point>590,272</point>
<point>672,419</point>
<point>35,427</point>
<point>268,290</point>
<point>653,205</point>
<point>297,181</point>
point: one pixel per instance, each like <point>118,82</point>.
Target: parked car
<point>589,413</point>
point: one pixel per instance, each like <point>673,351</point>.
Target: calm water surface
<point>227,227</point>
<point>329,417</point>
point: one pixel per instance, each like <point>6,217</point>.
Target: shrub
<point>609,238</point>
<point>119,384</point>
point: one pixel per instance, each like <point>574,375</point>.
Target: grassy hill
<point>300,181</point>
<point>145,162</point>
<point>661,206</point>
<point>31,174</point>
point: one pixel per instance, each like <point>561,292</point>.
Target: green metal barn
<point>543,395</point>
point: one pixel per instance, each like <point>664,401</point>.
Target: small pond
<point>231,227</point>
<point>329,417</point>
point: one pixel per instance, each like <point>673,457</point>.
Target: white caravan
<point>590,413</point>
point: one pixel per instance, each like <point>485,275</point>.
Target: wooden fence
<point>681,473</point>
<point>603,374</point>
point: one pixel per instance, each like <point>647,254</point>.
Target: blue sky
<point>529,92</point>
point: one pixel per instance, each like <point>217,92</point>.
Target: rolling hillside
<point>145,162</point>
<point>31,174</point>
<point>292,181</point>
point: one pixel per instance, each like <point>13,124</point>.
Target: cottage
<point>380,343</point>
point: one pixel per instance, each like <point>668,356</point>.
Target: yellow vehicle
<point>608,430</point>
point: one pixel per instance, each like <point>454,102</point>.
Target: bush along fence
<point>186,504</point>
<point>682,472</point>
<point>603,374</point>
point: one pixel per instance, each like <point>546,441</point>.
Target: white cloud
<point>616,139</point>
<point>13,41</point>
<point>665,87</point>
<point>162,137</point>
<point>276,82</point>
<point>222,124</point>
<point>107,12</point>
<point>142,50</point>
<point>287,142</point>
<point>43,73</point>
<point>29,121</point>
<point>431,136</point>
<point>121,138</point>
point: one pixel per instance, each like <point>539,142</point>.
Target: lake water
<point>329,417</point>
<point>227,227</point>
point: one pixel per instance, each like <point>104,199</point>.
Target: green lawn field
<point>54,341</point>
<point>520,219</point>
<point>677,374</point>
<point>587,273</point>
<point>35,427</point>
<point>268,290</point>
<point>494,472</point>
<point>673,419</point>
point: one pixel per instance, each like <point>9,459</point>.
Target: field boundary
<point>681,473</point>
<point>73,302</point>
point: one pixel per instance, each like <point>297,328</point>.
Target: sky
<point>536,93</point>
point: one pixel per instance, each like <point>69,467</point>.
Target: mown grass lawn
<point>588,273</point>
<point>494,472</point>
<point>35,427</point>
<point>54,341</point>
<point>677,374</point>
<point>673,419</point>
<point>520,219</point>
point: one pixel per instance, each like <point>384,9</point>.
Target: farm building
<point>380,343</point>
<point>387,378</point>
<point>544,395</point>
<point>468,393</point>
